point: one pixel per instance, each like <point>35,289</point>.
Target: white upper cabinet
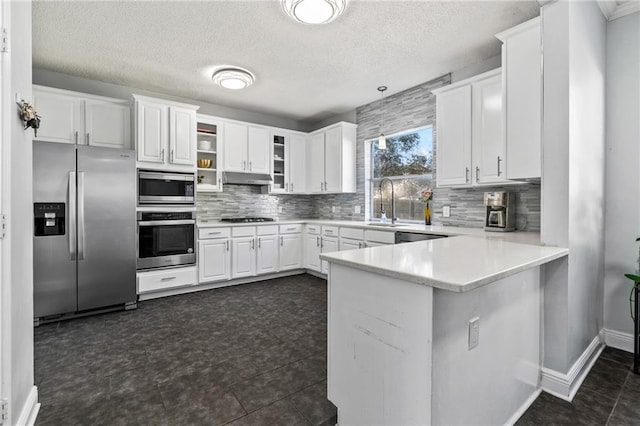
<point>71,117</point>
<point>288,152</point>
<point>246,148</point>
<point>297,162</point>
<point>165,134</point>
<point>258,150</point>
<point>453,118</point>
<point>522,75</point>
<point>470,129</point>
<point>332,159</point>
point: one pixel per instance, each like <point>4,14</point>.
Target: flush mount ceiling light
<point>382,139</point>
<point>233,78</point>
<point>314,11</point>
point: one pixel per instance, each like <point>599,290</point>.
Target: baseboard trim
<point>565,386</point>
<point>30,409</point>
<point>619,340</point>
<point>523,408</point>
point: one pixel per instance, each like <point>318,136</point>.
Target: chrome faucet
<point>393,200</point>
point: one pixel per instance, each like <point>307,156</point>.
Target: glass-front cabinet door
<point>210,155</point>
<point>280,152</point>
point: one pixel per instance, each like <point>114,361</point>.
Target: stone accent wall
<point>411,109</point>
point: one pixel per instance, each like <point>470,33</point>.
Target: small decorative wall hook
<point>29,116</point>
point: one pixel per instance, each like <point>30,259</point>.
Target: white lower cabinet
<point>267,254</point>
<point>350,244</point>
<point>312,248</point>
<point>243,262</point>
<point>214,260</point>
<point>329,244</point>
<point>290,247</point>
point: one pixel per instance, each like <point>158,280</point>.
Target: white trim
<point>523,408</point>
<point>619,340</point>
<point>30,409</point>
<point>502,36</point>
<point>476,78</point>
<point>565,386</point>
<point>613,10</point>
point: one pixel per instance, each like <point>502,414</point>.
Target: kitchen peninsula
<point>445,331</point>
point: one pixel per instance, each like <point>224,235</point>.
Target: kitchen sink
<point>388,225</point>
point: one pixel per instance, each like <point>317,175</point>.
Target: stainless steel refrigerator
<point>84,252</point>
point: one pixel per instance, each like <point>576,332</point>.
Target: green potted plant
<point>633,307</point>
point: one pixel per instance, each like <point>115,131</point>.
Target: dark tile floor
<point>610,395</point>
<point>252,354</point>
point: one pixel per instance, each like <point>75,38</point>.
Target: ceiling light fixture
<point>234,78</point>
<point>382,139</point>
<point>314,11</point>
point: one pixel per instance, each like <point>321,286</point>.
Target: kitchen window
<point>408,162</point>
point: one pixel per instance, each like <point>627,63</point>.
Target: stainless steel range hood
<point>237,178</point>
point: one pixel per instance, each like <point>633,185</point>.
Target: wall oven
<point>165,188</point>
<point>166,239</point>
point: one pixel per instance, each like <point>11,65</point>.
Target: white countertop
<point>457,264</point>
<point>519,237</point>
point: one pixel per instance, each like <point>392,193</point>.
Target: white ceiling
<point>306,73</point>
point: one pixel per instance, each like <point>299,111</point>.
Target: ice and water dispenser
<point>49,219</point>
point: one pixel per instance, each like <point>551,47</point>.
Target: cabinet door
<point>290,251</point>
<point>62,117</point>
<point>315,182</point>
<point>267,254</point>
<point>182,136</point>
<point>235,147</point>
<point>259,155</point>
<point>151,131</point>
<point>214,260</point>
<point>329,244</point>
<point>297,161</point>
<point>243,257</point>
<point>521,59</point>
<point>487,131</point>
<point>453,112</point>
<point>312,252</point>
<point>108,124</point>
<point>333,160</point>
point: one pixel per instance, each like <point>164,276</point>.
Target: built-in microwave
<point>165,188</point>
<point>166,239</point>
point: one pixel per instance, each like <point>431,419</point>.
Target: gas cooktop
<point>246,219</point>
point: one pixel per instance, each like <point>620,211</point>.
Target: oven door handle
<point>165,222</point>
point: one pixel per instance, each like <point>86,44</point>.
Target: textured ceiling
<point>305,73</point>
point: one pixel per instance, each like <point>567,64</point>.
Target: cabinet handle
<point>291,186</point>
<point>250,166</point>
<point>168,278</point>
<point>466,174</point>
<point>243,164</point>
<point>171,157</point>
<point>325,186</point>
<point>214,233</point>
<point>291,229</point>
<point>281,240</point>
<point>259,243</point>
<point>286,187</point>
<point>359,245</point>
<point>317,241</point>
<point>253,244</point>
<point>87,138</point>
<point>477,174</point>
<point>219,182</point>
<point>227,244</point>
<point>162,155</point>
<point>321,242</point>
<point>76,136</point>
<point>499,160</point>
<point>321,186</point>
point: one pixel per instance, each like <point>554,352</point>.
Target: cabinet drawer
<point>267,230</point>
<point>330,231</point>
<point>354,233</point>
<point>313,229</point>
<point>243,231</point>
<point>166,279</point>
<point>383,237</point>
<point>207,233</point>
<point>291,229</point>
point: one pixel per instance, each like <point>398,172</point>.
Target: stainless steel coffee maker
<point>500,211</point>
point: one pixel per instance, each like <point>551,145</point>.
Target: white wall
<point>17,260</point>
<point>574,35</point>
<point>622,191</point>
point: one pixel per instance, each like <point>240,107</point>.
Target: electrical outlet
<point>333,209</point>
<point>356,209</point>
<point>279,209</point>
<point>474,332</point>
<point>446,211</point>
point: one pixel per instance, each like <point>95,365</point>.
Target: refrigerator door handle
<point>72,216</point>
<point>80,215</point>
